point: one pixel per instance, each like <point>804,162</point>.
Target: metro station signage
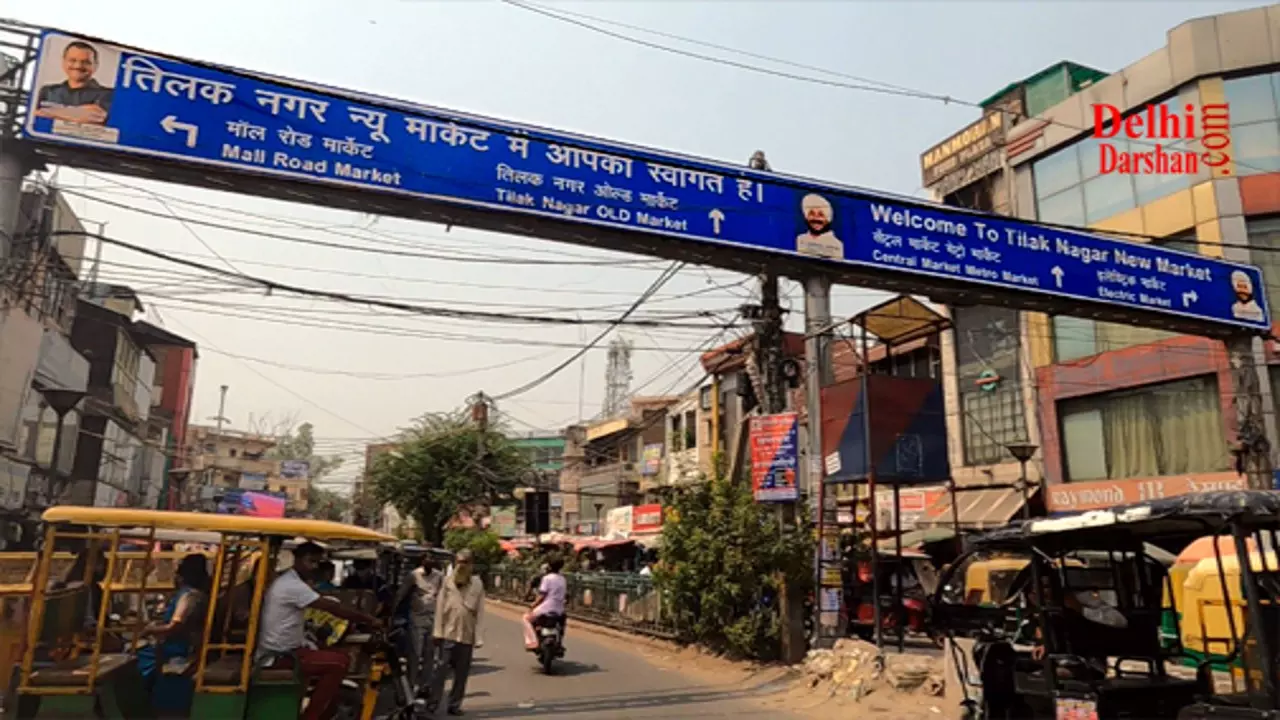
<point>94,95</point>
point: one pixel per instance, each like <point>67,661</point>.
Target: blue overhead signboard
<point>92,94</point>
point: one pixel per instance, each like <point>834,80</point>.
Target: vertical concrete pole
<point>817,355</point>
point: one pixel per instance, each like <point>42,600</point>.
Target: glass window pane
<point>1115,336</point>
<point>1106,196</point>
<point>1250,99</point>
<point>1082,446</point>
<point>1090,150</point>
<point>1057,172</point>
<point>1065,208</point>
<point>1149,188</point>
<point>1257,147</point>
<point>1266,234</point>
<point>1073,338</point>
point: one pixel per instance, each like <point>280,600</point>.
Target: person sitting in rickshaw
<point>366,577</point>
<point>282,634</point>
<point>324,577</point>
<point>1094,613</point>
<point>179,628</point>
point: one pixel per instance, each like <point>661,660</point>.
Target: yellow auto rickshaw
<point>85,646</point>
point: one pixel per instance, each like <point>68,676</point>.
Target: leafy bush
<point>486,546</point>
<point>722,561</point>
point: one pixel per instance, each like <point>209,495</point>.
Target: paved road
<point>600,677</point>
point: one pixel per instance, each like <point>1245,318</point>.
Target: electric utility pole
<point>771,389</point>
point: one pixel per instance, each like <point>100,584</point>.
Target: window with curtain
<point>1255,122</point>
<point>988,339</point>
<point>1264,241</point>
<point>1168,429</point>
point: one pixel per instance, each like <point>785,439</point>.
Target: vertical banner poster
<point>774,457</point>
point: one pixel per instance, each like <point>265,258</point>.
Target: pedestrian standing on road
<point>459,613</point>
<point>423,589</point>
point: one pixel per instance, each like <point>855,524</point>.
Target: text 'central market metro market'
<point>213,117</point>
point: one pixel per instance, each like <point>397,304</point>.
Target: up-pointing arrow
<point>1057,273</point>
<point>717,217</point>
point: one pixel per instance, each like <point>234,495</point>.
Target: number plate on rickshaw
<point>548,632</point>
<point>1076,709</point>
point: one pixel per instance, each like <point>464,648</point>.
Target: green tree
<point>327,504</point>
<point>722,561</point>
<point>485,545</point>
<point>300,444</point>
<point>444,464</point>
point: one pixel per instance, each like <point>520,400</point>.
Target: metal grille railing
<point>624,601</point>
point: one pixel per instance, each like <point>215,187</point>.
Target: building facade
<point>114,464</point>
<point>223,458</point>
<point>1119,413</point>
<point>172,390</point>
<point>38,311</point>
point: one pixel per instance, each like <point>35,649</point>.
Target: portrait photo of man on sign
<point>819,239</point>
<point>79,96</point>
<point>1246,305</point>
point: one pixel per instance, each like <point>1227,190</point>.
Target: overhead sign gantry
<point>95,103</point>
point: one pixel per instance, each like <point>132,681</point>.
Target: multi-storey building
<point>225,458</point>
<point>114,464</point>
<point>42,377</point>
<point>1118,413</point>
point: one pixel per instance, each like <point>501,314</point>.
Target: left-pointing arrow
<point>172,126</point>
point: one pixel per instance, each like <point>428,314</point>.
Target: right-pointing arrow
<point>1189,297</point>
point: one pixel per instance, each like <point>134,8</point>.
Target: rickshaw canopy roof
<point>1185,515</point>
<point>209,522</point>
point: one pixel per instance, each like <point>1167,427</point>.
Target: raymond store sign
<point>1071,497</point>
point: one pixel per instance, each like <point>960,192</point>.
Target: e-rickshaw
<point>1097,649</point>
<point>83,644</point>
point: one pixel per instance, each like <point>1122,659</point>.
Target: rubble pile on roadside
<point>854,669</point>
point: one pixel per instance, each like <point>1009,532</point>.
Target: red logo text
<point>1154,130</point>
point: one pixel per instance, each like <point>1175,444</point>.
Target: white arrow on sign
<point>717,217</point>
<point>1189,297</point>
<point>172,126</point>
<point>1057,275</point>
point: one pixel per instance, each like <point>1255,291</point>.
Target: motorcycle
<point>550,629</point>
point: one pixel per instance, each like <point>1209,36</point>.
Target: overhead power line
<point>274,286</point>
<point>662,279</point>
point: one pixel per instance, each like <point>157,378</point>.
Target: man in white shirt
<point>821,240</point>
<point>551,596</point>
<point>1245,307</point>
<point>281,636</point>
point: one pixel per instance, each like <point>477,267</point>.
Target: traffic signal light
<point>537,512</point>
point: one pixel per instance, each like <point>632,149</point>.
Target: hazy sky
<point>496,59</point>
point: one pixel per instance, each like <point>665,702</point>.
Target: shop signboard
<point>774,457</point>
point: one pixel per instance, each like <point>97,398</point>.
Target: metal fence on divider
<point>625,601</point>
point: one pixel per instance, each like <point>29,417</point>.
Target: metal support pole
<point>897,568</point>
<point>873,519</point>
<point>817,318</point>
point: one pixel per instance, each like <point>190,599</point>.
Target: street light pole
<point>1023,452</point>
<point>62,402</point>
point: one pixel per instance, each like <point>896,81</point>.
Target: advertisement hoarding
<point>774,457</point>
<point>251,124</point>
